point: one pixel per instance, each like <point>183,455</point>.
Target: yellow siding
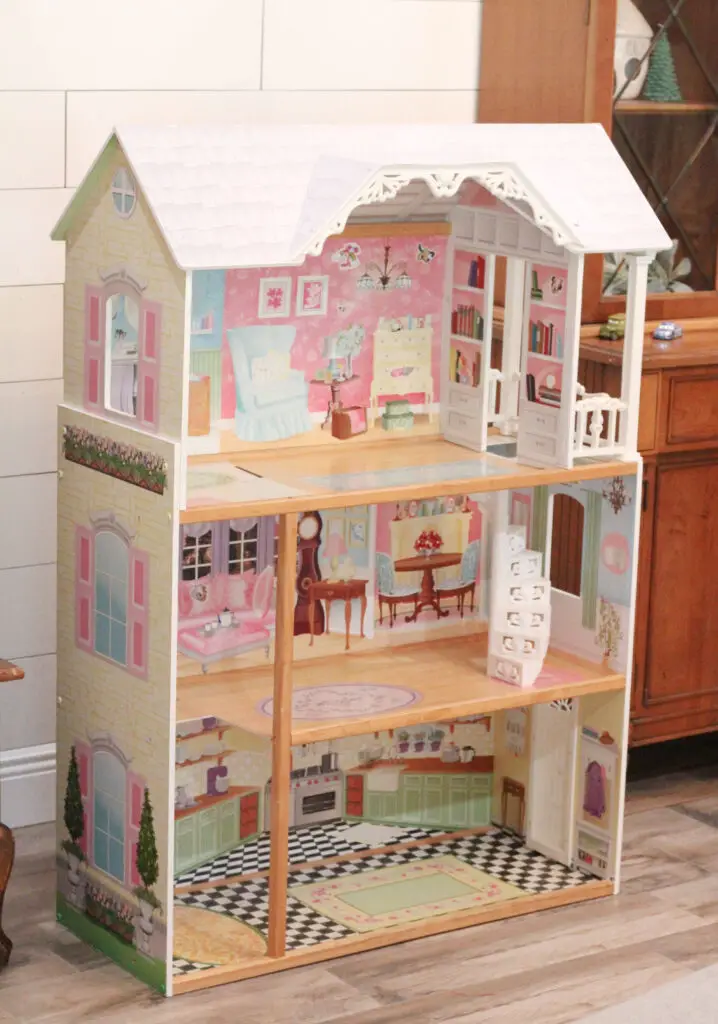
<point>95,696</point>
<point>100,240</point>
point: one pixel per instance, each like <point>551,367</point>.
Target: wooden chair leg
<point>7,856</point>
<point>381,612</point>
<point>473,588</point>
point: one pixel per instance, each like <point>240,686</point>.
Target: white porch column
<point>511,347</point>
<point>633,349</point>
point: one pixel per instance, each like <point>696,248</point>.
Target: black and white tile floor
<point>498,853</point>
<point>319,842</point>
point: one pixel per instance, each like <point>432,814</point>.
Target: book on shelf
<point>477,272</point>
<point>465,367</point>
<point>468,322</point>
<point>536,292</point>
<point>544,339</point>
<point>549,396</point>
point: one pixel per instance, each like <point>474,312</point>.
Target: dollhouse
<point>345,593</point>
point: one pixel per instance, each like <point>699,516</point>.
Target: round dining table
<point>426,564</point>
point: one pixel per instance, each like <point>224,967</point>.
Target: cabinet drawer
<point>539,420</point>
<point>692,414</point>
<point>536,444</point>
<point>250,800</point>
<point>355,783</point>
<point>461,424</point>
<point>465,401</point>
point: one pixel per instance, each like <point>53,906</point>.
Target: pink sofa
<point>205,634</point>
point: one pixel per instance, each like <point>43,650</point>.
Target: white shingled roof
<point>248,195</point>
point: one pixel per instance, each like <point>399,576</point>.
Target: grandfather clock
<point>309,537</point>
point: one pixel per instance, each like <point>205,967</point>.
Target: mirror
<point>123,318</point>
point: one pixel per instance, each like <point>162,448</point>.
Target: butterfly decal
<point>424,254</point>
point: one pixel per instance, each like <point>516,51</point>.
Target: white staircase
<point>520,613</point>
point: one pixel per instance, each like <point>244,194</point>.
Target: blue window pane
<point>129,200</point>
<point>102,593</point>
<point>118,600</point>
<point>116,865</point>
<point>102,634</point>
<point>118,643</point>
<point>117,825</point>
<point>101,851</point>
<point>102,820</point>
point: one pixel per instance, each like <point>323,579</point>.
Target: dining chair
<point>388,592</point>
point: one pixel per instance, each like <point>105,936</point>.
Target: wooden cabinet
<point>355,796</point>
<point>554,62</point>
<point>675,685</point>
<point>248,815</point>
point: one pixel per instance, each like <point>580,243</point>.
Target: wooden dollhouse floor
<point>356,895</point>
<point>448,677</point>
<point>266,483</point>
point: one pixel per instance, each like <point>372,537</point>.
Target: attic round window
<point>123,192</point>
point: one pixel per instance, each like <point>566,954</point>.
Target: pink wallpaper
<point>346,305</point>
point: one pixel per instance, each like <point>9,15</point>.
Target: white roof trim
<point>505,183</point>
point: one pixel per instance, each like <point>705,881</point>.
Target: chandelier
<point>385,277</point>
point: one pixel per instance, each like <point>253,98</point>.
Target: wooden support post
<point>282,735</point>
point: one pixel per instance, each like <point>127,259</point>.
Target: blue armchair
<point>466,581</point>
<point>387,590</point>
<point>272,398</point>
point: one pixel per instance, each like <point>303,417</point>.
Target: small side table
<point>335,399</point>
<point>8,673</point>
<point>337,590</point>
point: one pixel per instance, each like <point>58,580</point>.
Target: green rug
<point>404,892</point>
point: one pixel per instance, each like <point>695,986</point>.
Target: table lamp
<point>334,549</point>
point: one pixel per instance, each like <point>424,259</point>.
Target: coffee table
<point>8,673</point>
<point>426,564</point>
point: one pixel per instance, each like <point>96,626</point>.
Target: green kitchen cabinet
<point>208,828</point>
<point>185,843</point>
<point>440,800</point>
<point>229,823</point>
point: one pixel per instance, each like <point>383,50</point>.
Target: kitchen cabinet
<point>440,800</point>
<point>208,831</point>
<point>355,796</point>
<point>675,674</point>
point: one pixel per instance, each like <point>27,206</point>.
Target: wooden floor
<point>550,968</point>
<point>448,675</point>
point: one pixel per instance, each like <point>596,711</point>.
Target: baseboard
<point>27,785</point>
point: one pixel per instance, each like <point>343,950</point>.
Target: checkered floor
<point>305,845</point>
<point>498,853</point>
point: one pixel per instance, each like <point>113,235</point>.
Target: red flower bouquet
<point>428,542</point>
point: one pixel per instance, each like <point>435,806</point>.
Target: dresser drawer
<point>465,401</point>
<point>537,419</point>
<point>692,408</point>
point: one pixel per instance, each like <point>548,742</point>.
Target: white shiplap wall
<point>65,78</point>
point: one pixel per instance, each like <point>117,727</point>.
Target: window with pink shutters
<point>148,366</point>
<point>84,587</point>
<point>138,613</point>
<point>83,753</point>
<point>94,382</point>
<point>133,804</point>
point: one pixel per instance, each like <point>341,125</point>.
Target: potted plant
<point>428,543</point>
<point>609,630</point>
<point>403,738</point>
<point>147,863</point>
<point>419,741</point>
<point>435,738</point>
<point>74,818</point>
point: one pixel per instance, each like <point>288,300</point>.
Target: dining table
<point>426,564</point>
<point>8,674</point>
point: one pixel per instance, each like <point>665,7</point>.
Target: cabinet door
<point>412,798</point>
<point>185,842</point>
<point>228,823</point>
<point>434,800</point>
<point>390,809</point>
<point>208,832</point>
<point>479,801</point>
<point>374,806</point>
<point>456,811</point>
<point>679,683</point>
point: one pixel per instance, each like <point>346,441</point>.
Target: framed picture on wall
<point>275,296</point>
<point>357,533</point>
<point>312,296</point>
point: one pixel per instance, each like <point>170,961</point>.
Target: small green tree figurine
<point>661,84</point>
<point>74,811</point>
<point>147,859</point>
